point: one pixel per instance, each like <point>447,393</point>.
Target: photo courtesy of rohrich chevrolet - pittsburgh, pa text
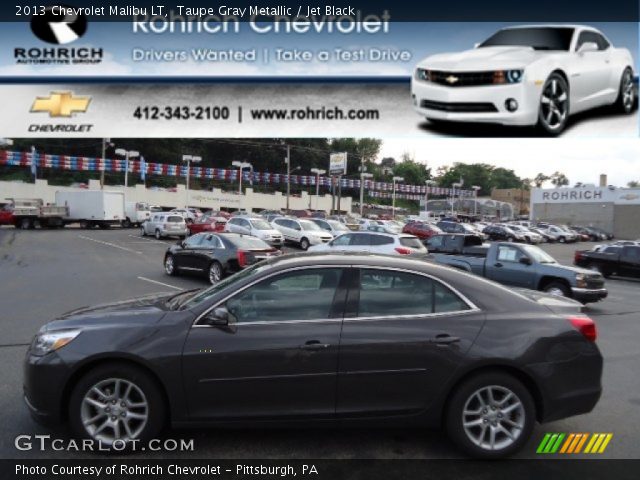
<point>361,240</point>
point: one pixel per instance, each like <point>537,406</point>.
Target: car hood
<point>569,268</point>
<point>486,58</point>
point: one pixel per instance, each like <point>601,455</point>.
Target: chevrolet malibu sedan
<point>526,75</point>
<point>310,339</point>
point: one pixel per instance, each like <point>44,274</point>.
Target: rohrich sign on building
<point>618,196</point>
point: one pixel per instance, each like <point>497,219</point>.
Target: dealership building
<point>614,209</point>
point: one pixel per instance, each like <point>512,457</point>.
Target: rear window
<point>248,242</point>
<point>175,219</point>
<point>411,242</point>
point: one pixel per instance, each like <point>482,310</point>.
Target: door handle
<point>497,265</point>
<point>445,339</point>
<point>314,345</point>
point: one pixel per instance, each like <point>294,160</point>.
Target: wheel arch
<point>547,279</point>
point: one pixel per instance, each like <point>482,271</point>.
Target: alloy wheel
<point>554,104</point>
<point>493,417</point>
<point>114,409</point>
<point>215,273</point>
<point>169,266</point>
<point>628,91</point>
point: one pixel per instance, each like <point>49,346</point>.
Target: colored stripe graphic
<point>573,443</point>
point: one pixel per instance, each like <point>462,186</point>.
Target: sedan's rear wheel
<point>490,415</point>
<point>627,94</point>
<point>553,111</point>
<point>116,404</point>
<point>304,244</point>
<point>215,273</point>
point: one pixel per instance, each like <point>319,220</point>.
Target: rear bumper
<point>586,295</point>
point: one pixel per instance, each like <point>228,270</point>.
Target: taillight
<point>585,326</point>
<point>403,251</point>
<point>242,258</point>
<point>577,256</point>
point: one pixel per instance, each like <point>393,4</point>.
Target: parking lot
<point>44,273</point>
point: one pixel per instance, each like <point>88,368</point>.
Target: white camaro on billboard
<point>526,75</point>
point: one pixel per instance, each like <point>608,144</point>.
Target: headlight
<point>507,76</point>
<point>581,280</point>
<point>423,74</point>
<point>46,342</point>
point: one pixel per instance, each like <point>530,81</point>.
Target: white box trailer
<point>92,208</point>
<point>135,214</point>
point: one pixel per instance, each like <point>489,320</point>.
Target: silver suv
<point>165,225</point>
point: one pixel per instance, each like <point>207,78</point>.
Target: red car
<point>422,230</point>
<point>207,223</point>
<point>6,216</point>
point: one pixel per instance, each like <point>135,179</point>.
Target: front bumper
<point>43,381</point>
<point>484,104</point>
<point>587,295</point>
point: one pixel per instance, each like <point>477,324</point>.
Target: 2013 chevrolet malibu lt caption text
<point>349,338</point>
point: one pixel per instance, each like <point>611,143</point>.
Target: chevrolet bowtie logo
<point>60,104</point>
<point>452,79</point>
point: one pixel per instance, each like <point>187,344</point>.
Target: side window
<point>436,242</point>
<point>211,241</point>
<point>380,240</point>
<point>509,254</point>
<point>299,295</point>
<point>445,300</point>
<point>602,42</point>
<point>193,241</point>
<point>342,240</point>
<point>594,38</point>
<point>361,240</point>
<point>390,293</point>
<point>631,252</point>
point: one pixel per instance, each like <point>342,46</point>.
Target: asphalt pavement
<point>44,273</point>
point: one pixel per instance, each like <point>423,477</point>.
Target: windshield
<point>205,295</point>
<point>309,226</point>
<point>539,38</point>
<point>338,226</point>
<point>261,225</point>
<point>538,255</point>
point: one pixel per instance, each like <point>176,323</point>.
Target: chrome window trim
<point>473,308</point>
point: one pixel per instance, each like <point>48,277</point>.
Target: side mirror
<point>525,261</point>
<point>588,47</point>
<point>217,317</point>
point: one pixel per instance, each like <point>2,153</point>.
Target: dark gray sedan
<point>348,338</point>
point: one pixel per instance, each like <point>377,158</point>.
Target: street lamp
<point>428,183</point>
<point>127,154</point>
<point>189,159</point>
<point>241,166</point>
<point>453,195</point>
<point>393,198</point>
<point>363,175</point>
<point>475,189</point>
<point>318,172</point>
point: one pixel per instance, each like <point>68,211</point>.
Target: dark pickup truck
<point>527,266</point>
<point>612,260</point>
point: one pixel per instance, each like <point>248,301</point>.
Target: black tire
<point>126,223</point>
<point>562,240</point>
<point>463,393</point>
<point>626,101</point>
<point>215,272</point>
<point>104,226</point>
<point>304,244</point>
<point>156,413</point>
<point>158,235</point>
<point>26,224</point>
<point>555,124</point>
<point>557,287</point>
<point>170,266</point>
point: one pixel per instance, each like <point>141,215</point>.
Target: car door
<point>285,226</point>
<point>630,261</point>
<point>591,72</point>
<point>243,226</point>
<point>209,248</point>
<point>185,258</point>
<point>508,269</point>
<point>403,336</point>
<point>278,357</point>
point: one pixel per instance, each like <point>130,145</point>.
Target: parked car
<point>302,232</point>
<point>581,235</point>
<point>310,339</point>
<point>608,235</point>
<point>503,234</point>
<point>593,234</point>
<point>375,242</point>
<point>135,213</point>
<point>257,227</point>
<point>448,226</point>
<point>422,230</point>
<point>529,236</point>
<point>617,260</point>
<point>216,255</point>
<point>334,227</point>
<point>492,83</point>
<point>466,244</point>
<point>165,225</point>
<point>207,223</point>
<point>560,234</point>
<point>546,237</point>
<point>189,214</point>
<point>528,266</point>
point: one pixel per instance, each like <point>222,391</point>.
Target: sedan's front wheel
<point>490,415</point>
<point>170,265</point>
<point>553,112</point>
<point>116,404</point>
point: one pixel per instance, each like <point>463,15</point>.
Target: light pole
<point>428,183</point>
<point>318,172</point>
<point>287,160</point>
<point>241,166</point>
<point>363,176</point>
<point>393,198</point>
<point>453,195</point>
<point>475,189</point>
<point>127,154</point>
<point>104,154</point>
<point>189,159</point>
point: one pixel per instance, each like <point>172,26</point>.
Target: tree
<point>559,179</point>
<point>633,184</point>
<point>540,180</point>
<point>487,177</point>
<point>388,162</point>
<point>414,173</point>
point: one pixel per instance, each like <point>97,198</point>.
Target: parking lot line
<point>160,283</point>
<point>147,240</point>
<point>109,244</point>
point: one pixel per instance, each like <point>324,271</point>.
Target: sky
<point>582,160</point>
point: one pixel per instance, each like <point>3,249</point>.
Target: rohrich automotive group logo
<point>58,29</point>
<point>58,25</point>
